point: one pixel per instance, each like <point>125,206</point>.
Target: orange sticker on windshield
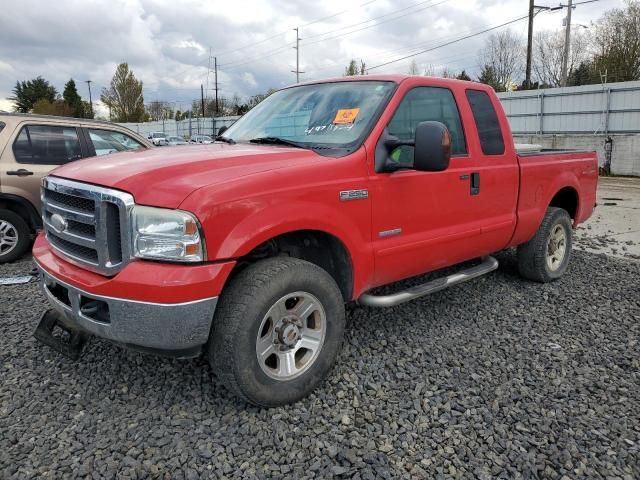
<point>346,115</point>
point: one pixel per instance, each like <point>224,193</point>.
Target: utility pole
<point>215,70</point>
<point>527,80</point>
<point>88,82</point>
<point>297,48</point>
<point>202,98</point>
<point>567,44</point>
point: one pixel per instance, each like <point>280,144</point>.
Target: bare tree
<point>503,52</point>
<point>413,68</point>
<point>429,71</point>
<point>447,73</point>
<point>617,43</point>
<point>548,55</point>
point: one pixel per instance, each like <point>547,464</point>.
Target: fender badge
<point>347,195</point>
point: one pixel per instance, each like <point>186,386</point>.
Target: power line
<point>373,19</point>
<point>285,32</point>
<point>270,53</point>
<point>448,43</point>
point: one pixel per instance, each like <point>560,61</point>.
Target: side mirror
<point>432,149</point>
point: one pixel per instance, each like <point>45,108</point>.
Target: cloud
<point>166,43</point>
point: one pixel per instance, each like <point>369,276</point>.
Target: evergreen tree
<point>72,99</point>
<point>27,93</point>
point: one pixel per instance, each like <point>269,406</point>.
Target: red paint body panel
<point>140,280</point>
<point>244,195</point>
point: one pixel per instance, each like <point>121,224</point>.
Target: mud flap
<point>52,331</point>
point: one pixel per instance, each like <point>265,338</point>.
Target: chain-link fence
<point>183,128</point>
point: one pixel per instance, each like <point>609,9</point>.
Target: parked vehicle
<point>201,139</point>
<point>173,141</point>
<point>159,139</point>
<point>31,146</point>
<point>323,192</point>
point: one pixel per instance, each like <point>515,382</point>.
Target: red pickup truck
<point>247,249</point>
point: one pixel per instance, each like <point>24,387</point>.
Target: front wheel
<point>15,237</point>
<point>545,257</point>
<point>277,331</point>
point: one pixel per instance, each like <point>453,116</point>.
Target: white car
<point>174,140</point>
<point>158,138</point>
<point>200,139</point>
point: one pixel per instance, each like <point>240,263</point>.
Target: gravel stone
<point>496,378</point>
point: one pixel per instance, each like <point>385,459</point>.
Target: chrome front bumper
<point>173,327</point>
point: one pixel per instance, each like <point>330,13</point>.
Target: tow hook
<point>52,331</point>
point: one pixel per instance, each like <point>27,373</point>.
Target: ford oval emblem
<point>58,223</point>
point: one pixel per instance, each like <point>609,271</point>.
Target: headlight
<point>164,234</point>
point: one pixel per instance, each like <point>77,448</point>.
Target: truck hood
<point>165,176</point>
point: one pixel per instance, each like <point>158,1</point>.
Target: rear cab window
<point>47,145</point>
<point>487,123</point>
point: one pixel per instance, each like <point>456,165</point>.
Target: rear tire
<point>15,236</point>
<point>545,257</point>
<point>277,331</point>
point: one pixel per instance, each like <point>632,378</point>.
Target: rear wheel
<point>14,236</point>
<point>545,257</point>
<point>277,331</point>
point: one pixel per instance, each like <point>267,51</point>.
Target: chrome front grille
<point>87,225</point>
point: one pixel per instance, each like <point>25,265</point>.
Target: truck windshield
<point>326,115</point>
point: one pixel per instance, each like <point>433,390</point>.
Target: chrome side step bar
<point>489,264</point>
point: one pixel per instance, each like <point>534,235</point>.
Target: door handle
<point>20,173</point>
<point>475,183</point>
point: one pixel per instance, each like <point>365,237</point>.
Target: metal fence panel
<point>183,128</point>
<point>609,108</point>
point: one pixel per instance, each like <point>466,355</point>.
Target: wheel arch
<point>568,199</point>
<point>319,247</point>
<point>22,207</point>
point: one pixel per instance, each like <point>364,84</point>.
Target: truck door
<point>494,182</point>
<point>423,221</point>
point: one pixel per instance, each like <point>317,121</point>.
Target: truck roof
<point>395,77</point>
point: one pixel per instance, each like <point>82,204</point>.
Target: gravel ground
<point>499,378</point>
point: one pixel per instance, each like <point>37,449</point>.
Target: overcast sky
<point>167,42</point>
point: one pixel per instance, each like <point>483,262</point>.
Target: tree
<point>354,69</point>
<point>463,76</point>
<point>159,110</point>
<point>617,43</point>
<point>447,73</point>
<point>27,93</point>
<point>585,74</point>
<point>413,68</point>
<point>124,96</point>
<point>488,76</point>
<point>548,55</point>
<point>503,52</point>
<point>72,99</point>
<point>57,107</point>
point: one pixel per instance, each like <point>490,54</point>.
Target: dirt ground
<point>614,228</point>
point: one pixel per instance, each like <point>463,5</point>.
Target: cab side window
<point>423,104</point>
<point>47,145</point>
<point>107,141</point>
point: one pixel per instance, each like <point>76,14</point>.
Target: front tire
<point>545,257</point>
<point>15,237</point>
<point>277,331</point>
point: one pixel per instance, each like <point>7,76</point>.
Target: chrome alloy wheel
<point>556,248</point>
<point>8,237</point>
<point>291,336</point>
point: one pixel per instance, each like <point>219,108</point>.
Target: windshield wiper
<point>278,141</point>
<point>228,140</point>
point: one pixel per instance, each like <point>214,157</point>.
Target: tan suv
<point>31,146</point>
